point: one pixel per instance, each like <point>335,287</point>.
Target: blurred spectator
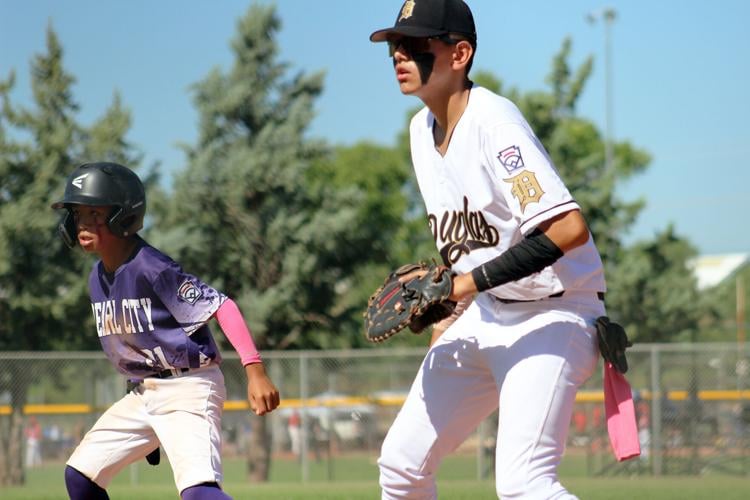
<point>669,411</point>
<point>597,417</point>
<point>53,437</point>
<point>294,426</point>
<point>579,436</point>
<point>643,416</point>
<point>579,421</point>
<point>319,438</point>
<point>673,422</point>
<point>79,429</point>
<point>741,420</point>
<point>244,437</point>
<point>33,434</point>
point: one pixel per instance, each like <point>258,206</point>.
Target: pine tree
<point>43,298</point>
<point>243,215</point>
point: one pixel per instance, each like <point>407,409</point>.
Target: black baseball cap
<point>426,18</point>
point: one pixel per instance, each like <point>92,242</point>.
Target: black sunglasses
<point>416,45</point>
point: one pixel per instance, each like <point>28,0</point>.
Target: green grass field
<point>355,479</point>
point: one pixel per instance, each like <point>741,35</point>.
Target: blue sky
<point>681,76</point>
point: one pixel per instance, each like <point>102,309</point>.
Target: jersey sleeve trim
<point>528,225</point>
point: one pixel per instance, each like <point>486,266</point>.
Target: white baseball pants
<point>528,358</point>
<point>181,414</point>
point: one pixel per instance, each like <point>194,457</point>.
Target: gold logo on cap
<point>407,10</point>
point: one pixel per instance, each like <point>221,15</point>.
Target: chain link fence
<point>692,403</point>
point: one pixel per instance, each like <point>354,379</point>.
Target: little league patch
<point>511,158</point>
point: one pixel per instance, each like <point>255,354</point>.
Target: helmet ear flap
<point>67,229</point>
<point>114,222</point>
<point>124,222</point>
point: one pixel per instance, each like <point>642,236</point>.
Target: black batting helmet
<point>104,184</point>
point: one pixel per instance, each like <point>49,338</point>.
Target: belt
<point>135,382</point>
<point>599,295</point>
<point>168,373</point>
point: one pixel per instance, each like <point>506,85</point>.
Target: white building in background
<point>710,270</point>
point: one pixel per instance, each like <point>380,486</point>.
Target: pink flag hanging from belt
<point>620,412</point>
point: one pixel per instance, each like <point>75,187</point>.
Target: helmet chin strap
<point>425,61</point>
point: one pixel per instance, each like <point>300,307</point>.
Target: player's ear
<point>462,53</point>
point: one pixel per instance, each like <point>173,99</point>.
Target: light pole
<point>608,16</point>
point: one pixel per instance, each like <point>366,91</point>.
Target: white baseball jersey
<point>494,185</point>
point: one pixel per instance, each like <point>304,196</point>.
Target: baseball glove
<point>414,295</point>
<point>612,343</point>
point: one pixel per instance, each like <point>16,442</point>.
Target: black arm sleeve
<point>531,255</point>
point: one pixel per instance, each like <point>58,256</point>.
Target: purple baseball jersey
<point>151,315</point>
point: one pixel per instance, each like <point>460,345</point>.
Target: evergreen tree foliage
<point>243,215</point>
<point>247,215</point>
<point>378,230</point>
<point>656,291</point>
<point>43,295</point>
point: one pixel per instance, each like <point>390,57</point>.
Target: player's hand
<point>463,284</point>
<point>262,394</point>
<point>419,273</point>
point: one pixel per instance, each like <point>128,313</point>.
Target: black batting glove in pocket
<point>612,343</point>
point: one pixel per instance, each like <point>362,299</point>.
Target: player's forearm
<point>235,329</point>
<point>463,287</point>
<point>529,256</point>
<point>542,248</point>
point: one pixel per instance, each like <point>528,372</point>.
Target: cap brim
<point>415,31</point>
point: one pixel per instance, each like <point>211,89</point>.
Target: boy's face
<point>91,223</point>
<point>419,62</point>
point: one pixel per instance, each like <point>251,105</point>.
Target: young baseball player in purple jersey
<point>529,279</point>
<point>151,317</point>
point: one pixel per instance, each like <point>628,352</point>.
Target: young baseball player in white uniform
<point>504,221</point>
<point>151,318</point>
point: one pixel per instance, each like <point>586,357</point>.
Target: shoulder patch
<point>511,158</point>
<point>188,292</point>
<point>525,188</point>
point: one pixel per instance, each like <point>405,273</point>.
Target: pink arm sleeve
<point>234,327</point>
